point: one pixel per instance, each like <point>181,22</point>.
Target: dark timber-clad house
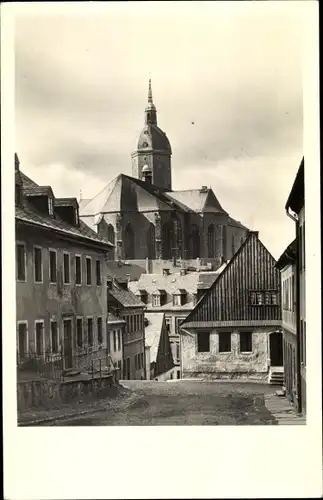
<point>234,331</point>
<point>295,209</point>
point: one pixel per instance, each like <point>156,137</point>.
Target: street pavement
<point>183,402</point>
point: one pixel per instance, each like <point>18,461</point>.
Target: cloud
<point>81,90</point>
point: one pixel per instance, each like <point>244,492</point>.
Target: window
<point>225,342</point>
<point>203,342</point>
<point>38,265</point>
<point>177,323</point>
<point>21,262</point>
<point>54,336</point>
<point>108,342</point>
<point>131,323</point>
<point>177,351</point>
<point>79,332</point>
<point>259,298</point>
<point>177,300</point>
<point>245,342</point>
<point>22,339</point>
<point>274,300</point>
<point>90,332</point>
<point>78,270</point>
<point>114,340</point>
<point>39,337</point>
<point>268,297</point>
<point>178,374</point>
<point>120,340</point>
<point>156,300</point>
<point>100,332</point>
<point>168,324</point>
<point>136,362</point>
<point>52,266</point>
<point>66,261</point>
<point>98,273</point>
<point>88,271</point>
<point>50,206</point>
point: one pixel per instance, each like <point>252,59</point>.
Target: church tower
<point>153,150</point>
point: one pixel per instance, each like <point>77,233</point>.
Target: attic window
<point>264,298</point>
<point>159,297</point>
<point>165,272</point>
<point>142,294</point>
<point>179,297</point>
<point>50,206</point>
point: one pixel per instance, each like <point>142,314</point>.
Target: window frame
<point>156,302</point>
<point>52,321</point>
<point>202,335</point>
<point>89,318</point>
<point>52,251</point>
<point>23,322</point>
<point>39,322</point>
<point>78,257</point>
<point>229,335</point>
<point>242,333</point>
<point>38,247</point>
<point>79,318</point>
<point>88,259</point>
<point>97,330</point>
<point>67,254</point>
<point>98,261</point>
<point>21,244</point>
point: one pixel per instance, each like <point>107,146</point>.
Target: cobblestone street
<point>182,403</point>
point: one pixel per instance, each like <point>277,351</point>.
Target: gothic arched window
<point>167,240</point>
<point>129,243</point>
<point>111,236</point>
<point>195,242</point>
<point>150,235</point>
<point>211,241</point>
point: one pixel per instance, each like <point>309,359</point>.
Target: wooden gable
<point>251,270</point>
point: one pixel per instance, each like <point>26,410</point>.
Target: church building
<point>145,219</point>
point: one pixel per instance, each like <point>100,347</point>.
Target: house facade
<point>174,294</point>
<point>115,333</point>
<point>124,305</point>
<point>160,360</point>
<point>61,305</point>
<point>234,331</point>
<point>287,264</point>
<point>295,209</point>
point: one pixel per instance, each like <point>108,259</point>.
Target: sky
<point>227,84</point>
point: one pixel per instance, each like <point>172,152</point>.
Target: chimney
<point>17,162</point>
<point>255,233</point>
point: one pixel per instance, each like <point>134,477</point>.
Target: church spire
<point>150,93</point>
<point>150,111</point>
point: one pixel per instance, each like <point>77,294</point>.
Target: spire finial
<point>150,93</point>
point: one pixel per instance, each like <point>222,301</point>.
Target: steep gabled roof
<point>251,268</point>
<point>288,256</point>
<point>296,197</point>
<point>125,193</point>
<point>197,200</point>
<point>28,214</point>
<point>125,297</point>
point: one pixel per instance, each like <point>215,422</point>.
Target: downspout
<point>298,321</point>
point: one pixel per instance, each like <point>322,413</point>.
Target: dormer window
<point>50,206</point>
<point>179,297</point>
<point>142,295</point>
<point>159,297</point>
<point>76,217</point>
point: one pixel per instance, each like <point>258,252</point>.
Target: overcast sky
<point>233,69</point>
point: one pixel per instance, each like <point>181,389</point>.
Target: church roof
<point>125,193</point>
<point>152,137</point>
<point>198,200</point>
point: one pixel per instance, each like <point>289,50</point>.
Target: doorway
<point>68,348</point>
<point>276,349</point>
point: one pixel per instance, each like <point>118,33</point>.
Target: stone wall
<point>53,393</point>
<point>226,365</point>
